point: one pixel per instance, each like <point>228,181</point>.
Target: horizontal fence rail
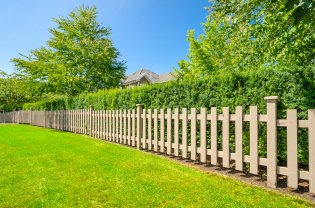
<point>203,136</point>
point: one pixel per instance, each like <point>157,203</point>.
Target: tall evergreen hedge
<point>295,87</point>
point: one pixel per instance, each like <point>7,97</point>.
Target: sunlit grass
<point>45,168</point>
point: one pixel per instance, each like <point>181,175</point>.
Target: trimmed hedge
<point>295,87</point>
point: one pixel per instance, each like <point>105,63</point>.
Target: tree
<point>80,57</point>
<point>13,92</point>
<point>243,35</point>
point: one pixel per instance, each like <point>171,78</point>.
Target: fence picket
<point>169,131</point>
<point>155,120</point>
<point>115,127</point>
<point>106,125</point>
<point>239,138</point>
<point>139,125</point>
<point>271,141</point>
<point>214,136</point>
<point>111,125</point>
<point>120,127</point>
<point>144,129</point>
<point>184,133</point>
<point>176,129</point>
<point>203,135</point>
<point>311,149</point>
<point>162,133</point>
<point>292,133</point>
<point>253,132</point>
<point>226,137</point>
<point>129,126</point>
<point>193,145</point>
<point>125,126</point>
<point>133,127</point>
<point>103,124</point>
<point>149,129</point>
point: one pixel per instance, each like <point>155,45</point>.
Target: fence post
<point>139,124</point>
<point>272,140</point>
<point>91,120</point>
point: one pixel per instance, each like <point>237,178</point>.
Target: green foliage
<point>244,35</point>
<point>13,93</point>
<point>294,85</point>
<point>79,57</point>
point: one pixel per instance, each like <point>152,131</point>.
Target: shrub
<point>294,86</point>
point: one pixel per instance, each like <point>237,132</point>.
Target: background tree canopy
<point>12,92</point>
<point>79,57</point>
<point>243,35</point>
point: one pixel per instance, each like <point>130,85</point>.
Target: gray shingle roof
<point>151,77</point>
<point>139,74</point>
<point>166,77</point>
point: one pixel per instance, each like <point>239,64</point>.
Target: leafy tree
<point>243,35</point>
<point>79,57</point>
<point>13,92</point>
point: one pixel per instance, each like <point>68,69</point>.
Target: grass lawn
<point>46,168</point>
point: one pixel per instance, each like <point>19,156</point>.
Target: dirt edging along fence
<point>158,131</point>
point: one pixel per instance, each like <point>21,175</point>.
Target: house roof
<point>166,77</point>
<point>149,75</point>
<point>135,77</point>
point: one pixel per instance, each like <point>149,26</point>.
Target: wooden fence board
<point>120,127</point>
<point>292,134</point>
<point>226,137</point>
<point>155,121</point>
<point>139,125</point>
<point>117,126</point>
<point>144,129</point>
<point>162,132</point>
<point>253,128</point>
<point>149,129</point>
<point>125,126</point>
<point>169,131</point>
<point>311,143</point>
<point>184,133</point>
<point>129,126</point>
<point>239,138</point>
<point>203,135</point>
<point>176,129</point>
<point>214,136</point>
<point>193,122</point>
<point>272,142</point>
<point>133,127</point>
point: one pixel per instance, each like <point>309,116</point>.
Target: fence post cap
<point>271,98</point>
<point>139,105</point>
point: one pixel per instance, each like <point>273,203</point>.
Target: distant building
<point>144,76</point>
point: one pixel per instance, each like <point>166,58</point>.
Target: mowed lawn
<point>46,168</point>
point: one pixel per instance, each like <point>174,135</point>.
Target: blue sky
<point>149,34</point>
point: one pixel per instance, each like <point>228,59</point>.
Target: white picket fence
<point>158,131</point>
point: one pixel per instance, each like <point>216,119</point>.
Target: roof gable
<point>136,76</point>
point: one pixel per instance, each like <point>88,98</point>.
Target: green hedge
<point>295,87</point>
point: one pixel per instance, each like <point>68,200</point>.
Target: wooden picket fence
<point>158,131</point>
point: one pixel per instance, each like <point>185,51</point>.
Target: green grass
<point>46,168</point>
